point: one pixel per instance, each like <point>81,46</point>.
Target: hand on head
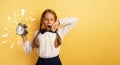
<point>54,27</point>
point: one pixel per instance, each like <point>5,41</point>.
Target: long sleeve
<point>68,24</point>
<point>27,45</point>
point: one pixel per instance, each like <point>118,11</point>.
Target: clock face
<point>20,30</point>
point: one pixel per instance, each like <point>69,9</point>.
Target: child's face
<point>48,20</point>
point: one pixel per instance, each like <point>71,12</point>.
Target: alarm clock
<point>21,29</point>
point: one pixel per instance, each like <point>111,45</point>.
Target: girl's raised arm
<point>67,24</point>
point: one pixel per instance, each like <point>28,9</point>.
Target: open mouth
<point>49,26</point>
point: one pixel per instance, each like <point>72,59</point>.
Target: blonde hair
<point>58,40</point>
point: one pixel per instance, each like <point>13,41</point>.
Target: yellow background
<point>94,40</point>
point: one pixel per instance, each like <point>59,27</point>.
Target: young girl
<point>49,37</point>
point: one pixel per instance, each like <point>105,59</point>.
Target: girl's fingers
<point>53,29</point>
<point>55,24</point>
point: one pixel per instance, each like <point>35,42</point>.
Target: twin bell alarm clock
<point>21,29</point>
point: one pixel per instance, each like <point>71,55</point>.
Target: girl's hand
<point>55,26</point>
<point>24,37</point>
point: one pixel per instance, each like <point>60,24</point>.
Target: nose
<point>49,22</point>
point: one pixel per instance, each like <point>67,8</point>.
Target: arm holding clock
<point>27,45</point>
<point>22,31</point>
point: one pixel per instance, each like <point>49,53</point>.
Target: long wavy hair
<point>57,41</point>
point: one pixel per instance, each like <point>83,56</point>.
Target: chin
<point>48,29</point>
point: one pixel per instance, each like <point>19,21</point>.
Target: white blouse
<point>46,40</point>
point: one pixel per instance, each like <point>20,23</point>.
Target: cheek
<point>52,22</point>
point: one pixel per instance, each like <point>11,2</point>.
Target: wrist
<point>24,37</point>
